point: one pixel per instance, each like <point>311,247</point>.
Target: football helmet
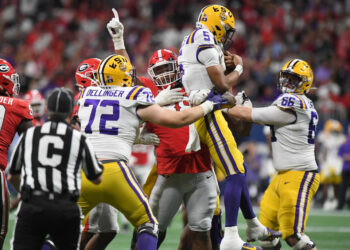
<point>163,68</point>
<point>220,21</point>
<point>37,102</point>
<point>332,125</point>
<point>296,77</point>
<point>9,79</point>
<point>85,75</point>
<point>116,70</point>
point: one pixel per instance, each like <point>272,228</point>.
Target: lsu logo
<point>4,68</point>
<point>83,67</point>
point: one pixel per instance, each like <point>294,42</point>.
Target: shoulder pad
<point>290,101</point>
<point>141,94</point>
<point>23,108</point>
<point>201,36</point>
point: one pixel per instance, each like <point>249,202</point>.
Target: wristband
<point>118,44</point>
<point>239,69</point>
<point>207,107</point>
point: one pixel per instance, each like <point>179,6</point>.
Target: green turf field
<point>330,230</point>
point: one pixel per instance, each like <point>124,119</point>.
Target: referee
<point>50,157</point>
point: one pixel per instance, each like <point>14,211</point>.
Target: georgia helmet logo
<point>83,67</point>
<point>4,68</point>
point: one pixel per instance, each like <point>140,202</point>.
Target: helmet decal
<point>4,68</point>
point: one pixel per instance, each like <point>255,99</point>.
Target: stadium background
<point>46,40</point>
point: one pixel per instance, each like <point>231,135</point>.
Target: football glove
<point>116,31</point>
<point>169,96</point>
<point>196,97</point>
<point>243,100</point>
<point>147,138</point>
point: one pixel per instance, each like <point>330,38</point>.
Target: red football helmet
<point>37,102</point>
<point>9,79</point>
<point>163,68</point>
<point>85,74</point>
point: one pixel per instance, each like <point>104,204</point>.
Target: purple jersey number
<point>104,117</point>
<point>312,128</point>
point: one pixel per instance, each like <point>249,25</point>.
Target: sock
<point>216,231</point>
<point>232,199</point>
<point>146,241</point>
<point>246,205</point>
<point>133,240</point>
<point>231,233</point>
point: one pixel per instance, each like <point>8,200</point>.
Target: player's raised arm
<point>116,30</point>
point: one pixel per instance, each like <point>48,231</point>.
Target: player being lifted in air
<point>293,120</point>
<point>202,61</point>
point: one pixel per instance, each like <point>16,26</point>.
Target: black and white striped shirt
<point>51,156</point>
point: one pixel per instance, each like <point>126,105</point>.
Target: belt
<point>51,195</point>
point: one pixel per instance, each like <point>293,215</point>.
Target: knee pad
<point>304,242</point>
<point>149,228</point>
<point>202,226</point>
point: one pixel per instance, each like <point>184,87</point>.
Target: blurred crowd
<point>46,40</point>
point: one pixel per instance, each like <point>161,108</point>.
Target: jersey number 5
<point>104,117</point>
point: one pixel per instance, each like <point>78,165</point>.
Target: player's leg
<point>166,198</point>
<point>296,189</point>
<point>122,191</point>
<point>269,207</point>
<point>147,189</point>
<point>102,225</point>
<point>216,232</point>
<point>4,208</point>
<point>200,205</point>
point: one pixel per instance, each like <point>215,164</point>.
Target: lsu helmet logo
<point>83,67</point>
<point>4,68</point>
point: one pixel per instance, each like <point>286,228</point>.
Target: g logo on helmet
<point>4,68</point>
<point>83,67</point>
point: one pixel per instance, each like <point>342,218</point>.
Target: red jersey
<point>171,155</point>
<point>12,112</point>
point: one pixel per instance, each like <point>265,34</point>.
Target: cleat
<point>247,246</point>
<point>272,235</point>
<point>261,233</point>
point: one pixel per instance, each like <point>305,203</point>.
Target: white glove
<point>243,100</point>
<point>147,139</point>
<point>116,30</point>
<point>198,96</point>
<point>169,96</point>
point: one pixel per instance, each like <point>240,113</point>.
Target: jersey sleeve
<point>144,97</point>
<point>23,109</point>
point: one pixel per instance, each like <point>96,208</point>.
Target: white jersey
<point>293,144</point>
<point>109,120</point>
<point>194,73</point>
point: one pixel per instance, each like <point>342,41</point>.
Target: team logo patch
<point>109,79</point>
<point>122,67</point>
<point>4,68</point>
<point>83,67</point>
<point>205,18</point>
<point>223,16</point>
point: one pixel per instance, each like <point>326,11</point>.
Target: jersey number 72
<point>104,117</point>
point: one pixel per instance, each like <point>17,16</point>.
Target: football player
<point>330,140</point>
<point>183,165</point>
<point>37,102</point>
<point>101,225</point>
<point>293,120</point>
<point>202,62</point>
<point>15,116</point>
<point>110,116</point>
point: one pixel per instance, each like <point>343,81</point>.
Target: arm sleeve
<point>15,163</point>
<point>208,56</point>
<point>272,115</point>
<point>91,166</point>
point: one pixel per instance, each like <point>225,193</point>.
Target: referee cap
<point>60,100</point>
